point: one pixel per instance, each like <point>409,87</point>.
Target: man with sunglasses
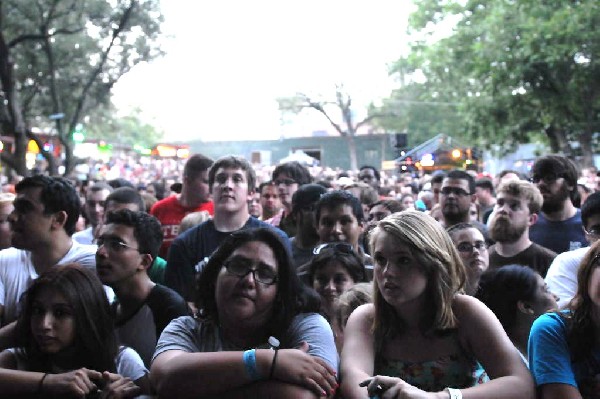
<point>559,226</point>
<point>518,204</point>
<point>456,196</point>
<point>127,246</point>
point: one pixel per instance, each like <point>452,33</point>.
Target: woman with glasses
<point>251,301</point>
<point>334,269</point>
<point>564,347</point>
<point>473,251</point>
<point>517,295</point>
<point>66,343</point>
<point>422,338</point>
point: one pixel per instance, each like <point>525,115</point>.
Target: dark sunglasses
<point>547,178</point>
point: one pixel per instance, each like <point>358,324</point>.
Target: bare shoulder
<point>362,315</point>
<point>467,308</point>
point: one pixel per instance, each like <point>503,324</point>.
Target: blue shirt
<point>550,357</point>
<point>562,236</point>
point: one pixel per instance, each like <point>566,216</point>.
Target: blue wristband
<point>250,364</point>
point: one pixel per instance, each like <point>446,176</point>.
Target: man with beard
<point>517,206</point>
<point>559,226</point>
<point>456,195</point>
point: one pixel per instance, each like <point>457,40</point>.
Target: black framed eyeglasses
<point>287,181</point>
<point>459,192</point>
<point>114,244</point>
<point>467,247</point>
<point>548,178</point>
<point>240,268</point>
<point>342,247</point>
<point>594,231</point>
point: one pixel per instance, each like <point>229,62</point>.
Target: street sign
<point>54,117</point>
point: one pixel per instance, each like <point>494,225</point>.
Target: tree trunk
<point>352,149</point>
<point>587,152</point>
<point>558,140</point>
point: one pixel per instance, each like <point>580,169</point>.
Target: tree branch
<point>94,75</point>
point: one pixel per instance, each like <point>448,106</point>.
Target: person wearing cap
<point>559,225</point>
<point>303,212</point>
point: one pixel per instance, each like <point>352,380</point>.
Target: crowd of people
<point>233,280</point>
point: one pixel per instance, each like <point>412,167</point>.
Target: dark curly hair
<point>146,229</point>
<point>292,298</point>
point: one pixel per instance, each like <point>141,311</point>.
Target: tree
<point>518,71</point>
<point>342,104</point>
<point>61,58</point>
<point>129,130</point>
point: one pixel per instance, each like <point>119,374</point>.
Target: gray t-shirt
<point>190,335</point>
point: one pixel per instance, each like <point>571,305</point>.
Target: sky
<point>228,61</point>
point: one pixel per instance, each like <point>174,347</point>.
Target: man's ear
<point>60,219</point>
<point>147,261</point>
<point>524,307</point>
<point>533,218</point>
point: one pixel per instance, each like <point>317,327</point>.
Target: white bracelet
<point>454,393</point>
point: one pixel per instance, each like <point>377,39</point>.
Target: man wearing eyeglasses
<point>518,204</point>
<point>127,246</point>
<point>559,225</point>
<point>562,274</point>
<point>288,177</point>
<point>456,195</point>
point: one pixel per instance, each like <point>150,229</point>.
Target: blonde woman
<point>422,338</point>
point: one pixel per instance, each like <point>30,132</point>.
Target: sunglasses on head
<point>342,247</point>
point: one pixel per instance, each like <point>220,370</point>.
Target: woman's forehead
<point>257,251</point>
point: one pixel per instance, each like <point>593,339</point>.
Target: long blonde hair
<point>434,251</point>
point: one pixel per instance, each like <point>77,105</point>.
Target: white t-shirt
<point>562,275</point>
<point>17,273</point>
<point>85,236</point>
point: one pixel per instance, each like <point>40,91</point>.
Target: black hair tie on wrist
<point>274,342</point>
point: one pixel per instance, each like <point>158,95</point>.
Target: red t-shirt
<point>170,212</point>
